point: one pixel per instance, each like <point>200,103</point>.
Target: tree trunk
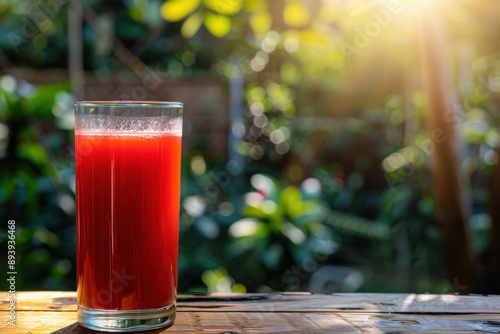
<point>448,182</point>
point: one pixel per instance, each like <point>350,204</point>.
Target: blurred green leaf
<point>191,26</point>
<point>37,257</point>
<point>248,227</point>
<point>473,134</point>
<point>176,10</point>
<point>40,103</point>
<point>225,7</point>
<point>291,200</point>
<point>261,22</point>
<point>61,269</point>
<point>47,237</point>
<point>34,152</point>
<point>254,212</point>
<point>218,25</point>
<point>358,226</point>
<point>10,107</point>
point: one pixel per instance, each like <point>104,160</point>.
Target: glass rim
<point>118,103</point>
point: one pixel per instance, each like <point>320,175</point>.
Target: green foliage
<point>279,229</point>
<point>214,14</point>
<point>30,192</point>
<point>40,103</point>
<point>218,280</point>
<point>34,34</point>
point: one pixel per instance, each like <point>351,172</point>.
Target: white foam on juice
<point>145,126</point>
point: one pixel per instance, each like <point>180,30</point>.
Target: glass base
<point>126,320</point>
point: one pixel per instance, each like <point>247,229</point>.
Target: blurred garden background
<point>329,146</point>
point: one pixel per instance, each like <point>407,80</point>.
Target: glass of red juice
<point>128,169</point>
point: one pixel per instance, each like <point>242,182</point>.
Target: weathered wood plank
<point>384,303</point>
<point>55,312</point>
<point>423,323</point>
<point>191,322</point>
<point>41,301</point>
<point>36,322</point>
<point>288,302</point>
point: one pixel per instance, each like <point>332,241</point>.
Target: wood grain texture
<point>55,312</point>
<point>385,303</point>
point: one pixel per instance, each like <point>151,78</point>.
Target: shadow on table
<point>63,302</point>
<point>77,329</point>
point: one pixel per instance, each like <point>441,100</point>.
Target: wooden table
<point>55,312</point>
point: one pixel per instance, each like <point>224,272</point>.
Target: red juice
<point>128,189</point>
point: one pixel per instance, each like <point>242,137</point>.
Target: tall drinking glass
<point>127,162</point>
